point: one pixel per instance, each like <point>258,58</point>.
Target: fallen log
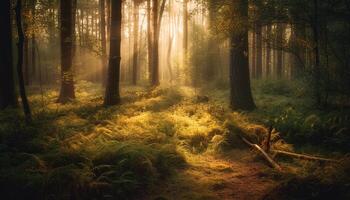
<point>302,156</point>
<point>266,156</point>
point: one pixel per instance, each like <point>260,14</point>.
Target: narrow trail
<point>208,177</point>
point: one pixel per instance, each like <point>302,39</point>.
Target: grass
<point>156,137</point>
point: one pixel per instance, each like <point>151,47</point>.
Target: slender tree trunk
<point>67,76</point>
<point>7,85</point>
<point>26,56</point>
<point>33,41</point>
<point>112,96</point>
<point>212,47</point>
<point>253,55</point>
<point>155,56</point>
<point>108,5</point>
<point>258,51</point>
<point>171,37</point>
<point>279,64</point>
<point>268,51</point>
<point>149,39</point>
<point>136,43</point>
<point>22,90</point>
<point>241,96</point>
<point>185,30</point>
<point>103,40</point>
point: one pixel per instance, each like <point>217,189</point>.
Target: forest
<point>174,99</point>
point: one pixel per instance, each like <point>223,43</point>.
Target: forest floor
<point>164,143</point>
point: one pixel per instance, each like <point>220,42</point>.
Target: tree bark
<point>22,90</point>
<point>103,40</point>
<point>7,85</point>
<point>67,77</point>
<point>112,96</point>
<point>258,51</point>
<point>33,41</point>
<point>268,51</point>
<point>155,56</point>
<point>136,43</point>
<point>241,96</point>
<point>185,30</point>
<point>279,64</point>
<point>149,38</point>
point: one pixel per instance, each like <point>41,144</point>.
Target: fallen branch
<point>302,156</point>
<point>266,156</point>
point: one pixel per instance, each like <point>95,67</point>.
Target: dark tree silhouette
<point>112,96</point>
<point>7,86</point>
<point>67,77</point>
<point>20,44</point>
<point>241,96</point>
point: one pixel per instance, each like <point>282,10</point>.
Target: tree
<point>7,85</point>
<point>112,96</point>
<point>157,19</point>
<point>67,77</point>
<point>241,96</point>
<point>258,66</point>
<point>103,39</point>
<point>268,51</point>
<point>136,42</point>
<point>185,30</point>
<point>20,44</point>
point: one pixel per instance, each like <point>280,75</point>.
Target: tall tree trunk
<point>103,40</point>
<point>241,96</point>
<point>171,38</point>
<point>26,70</point>
<point>7,85</point>
<point>149,39</point>
<point>212,47</point>
<point>33,41</point>
<point>112,96</point>
<point>268,50</point>
<point>258,51</point>
<point>136,43</point>
<point>185,30</point>
<point>22,90</point>
<point>253,55</point>
<point>67,76</point>
<point>155,56</point>
<point>279,45</point>
<point>108,5</point>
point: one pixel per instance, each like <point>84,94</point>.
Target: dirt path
<point>209,178</point>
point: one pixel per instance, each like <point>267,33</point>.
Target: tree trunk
<point>279,64</point>
<point>149,38</point>
<point>258,66</point>
<point>112,96</point>
<point>241,96</point>
<point>136,43</point>
<point>268,51</point>
<point>33,41</point>
<point>212,47</point>
<point>253,55</point>
<point>103,40</point>
<point>155,56</point>
<point>67,76</point>
<point>7,85</point>
<point>22,90</point>
<point>185,30</point>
